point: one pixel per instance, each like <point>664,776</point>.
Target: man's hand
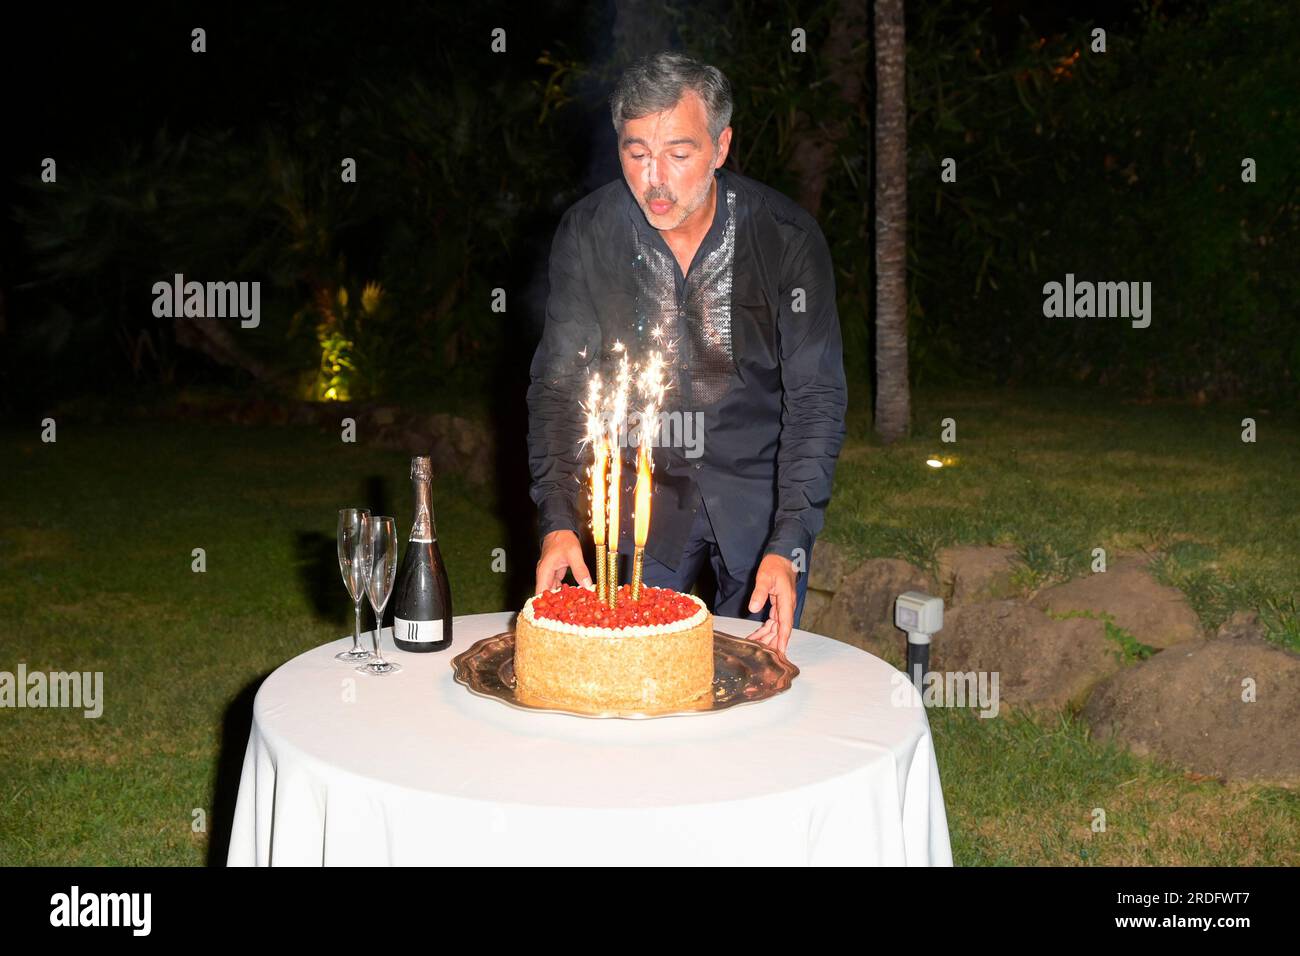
<point>775,581</point>
<point>561,551</point>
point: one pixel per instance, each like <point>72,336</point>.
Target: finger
<point>780,624</point>
<point>785,613</point>
<point>580,572</point>
<point>774,625</point>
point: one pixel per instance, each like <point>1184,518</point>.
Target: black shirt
<point>757,366</point>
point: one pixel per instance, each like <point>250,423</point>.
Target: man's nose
<point>652,171</point>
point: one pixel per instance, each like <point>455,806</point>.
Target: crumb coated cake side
<point>564,659</point>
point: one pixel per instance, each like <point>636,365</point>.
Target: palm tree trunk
<point>893,399</point>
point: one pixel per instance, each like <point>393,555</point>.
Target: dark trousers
<point>734,589</point>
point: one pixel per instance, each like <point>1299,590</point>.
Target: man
<point>738,279</point>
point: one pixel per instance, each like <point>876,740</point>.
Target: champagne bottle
<point>422,594</point>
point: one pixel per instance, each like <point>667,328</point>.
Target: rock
<point>815,606</point>
<point>862,611</point>
<point>830,562</point>
<point>466,438</point>
<point>969,574</point>
<point>1242,624</point>
<point>457,445</point>
<point>460,445</point>
<point>1185,705</point>
<point>1157,615</point>
<point>1042,663</point>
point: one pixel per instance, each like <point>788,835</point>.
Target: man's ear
<point>724,146</point>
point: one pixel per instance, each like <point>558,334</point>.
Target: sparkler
<point>597,438</point>
<point>623,381</point>
<point>650,385</point>
<point>606,468</point>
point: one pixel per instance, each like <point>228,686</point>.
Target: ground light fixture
<point>921,616</point>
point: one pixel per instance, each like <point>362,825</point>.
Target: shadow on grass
<point>317,561</point>
<point>235,728</point>
<point>377,500</point>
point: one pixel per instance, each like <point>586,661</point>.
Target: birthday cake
<point>653,653</point>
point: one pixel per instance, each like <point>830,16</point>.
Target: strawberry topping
<point>580,606</point>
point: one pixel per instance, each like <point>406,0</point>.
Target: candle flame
<point>641,529</point>
<point>615,480</point>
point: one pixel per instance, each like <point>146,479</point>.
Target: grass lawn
<point>97,532</point>
<point>1056,475</point>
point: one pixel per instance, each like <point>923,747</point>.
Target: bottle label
<point>417,632</point>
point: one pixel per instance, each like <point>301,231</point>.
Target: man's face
<point>668,161</point>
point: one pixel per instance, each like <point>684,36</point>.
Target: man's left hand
<point>775,582</point>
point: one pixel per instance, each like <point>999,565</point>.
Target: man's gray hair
<point>656,82</point>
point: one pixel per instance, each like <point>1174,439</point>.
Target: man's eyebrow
<point>683,140</point>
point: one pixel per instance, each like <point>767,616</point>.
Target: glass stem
<point>356,630</point>
<point>379,624</point>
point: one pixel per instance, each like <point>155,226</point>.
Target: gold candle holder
<point>636,574</point>
<point>613,580</point>
<point>601,587</point>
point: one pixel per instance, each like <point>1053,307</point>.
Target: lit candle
<point>615,476</point>
<point>641,525</point>
<point>598,513</point>
<point>600,451</point>
<point>650,383</point>
<point>616,470</point>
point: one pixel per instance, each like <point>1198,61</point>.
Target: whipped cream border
<point>634,630</point>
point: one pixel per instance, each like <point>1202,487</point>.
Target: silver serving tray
<point>744,672</point>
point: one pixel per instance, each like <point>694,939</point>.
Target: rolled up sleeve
<point>814,398</point>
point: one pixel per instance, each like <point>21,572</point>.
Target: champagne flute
<point>382,572</point>
<point>354,563</point>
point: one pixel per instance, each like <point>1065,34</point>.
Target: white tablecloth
<point>415,770</point>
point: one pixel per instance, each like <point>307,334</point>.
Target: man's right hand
<point>561,551</point>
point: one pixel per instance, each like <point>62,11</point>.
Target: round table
<point>413,769</point>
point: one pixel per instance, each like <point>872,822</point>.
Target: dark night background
<point>467,160</point>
